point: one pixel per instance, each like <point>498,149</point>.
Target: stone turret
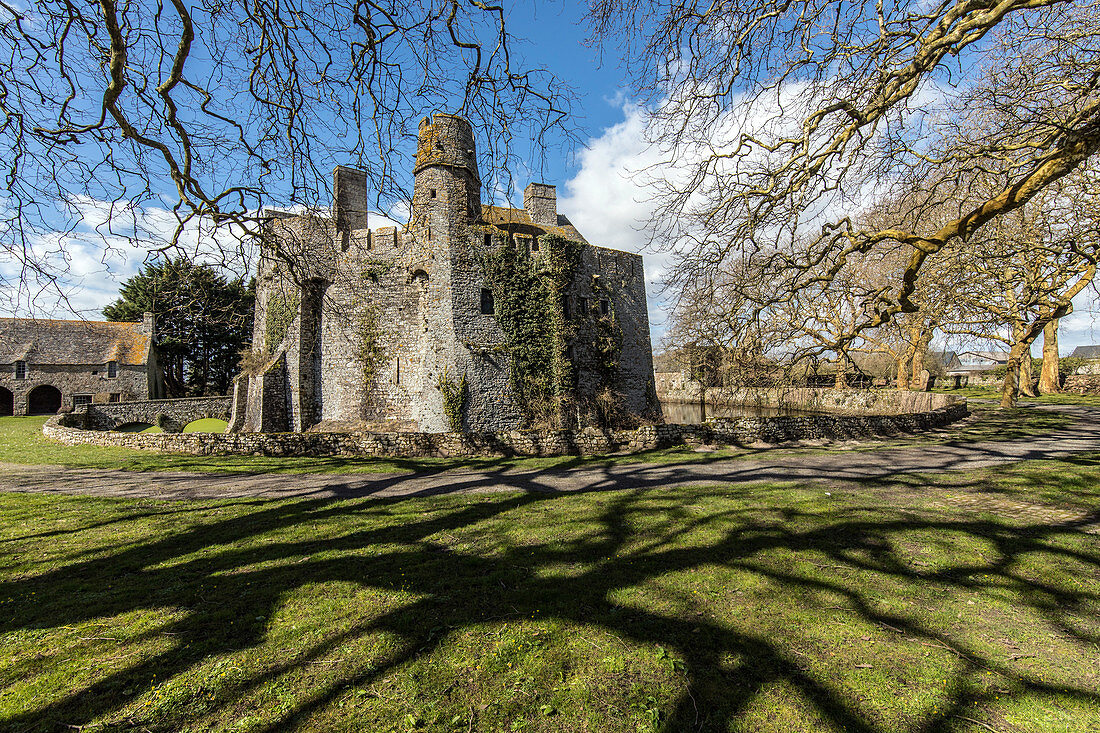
<point>447,187</point>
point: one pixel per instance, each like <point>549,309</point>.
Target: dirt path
<point>766,465</point>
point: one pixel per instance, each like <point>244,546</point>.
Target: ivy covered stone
<point>282,309</point>
<point>527,291</point>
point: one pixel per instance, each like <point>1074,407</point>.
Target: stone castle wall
<point>414,297</point>
<point>1082,384</point>
<point>674,387</point>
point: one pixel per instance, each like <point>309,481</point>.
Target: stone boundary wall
<point>810,399</point>
<point>1082,384</point>
<point>179,411</point>
<point>739,431</point>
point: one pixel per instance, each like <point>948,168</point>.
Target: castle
<point>472,317</point>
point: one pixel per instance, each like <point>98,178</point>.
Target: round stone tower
<point>447,188</point>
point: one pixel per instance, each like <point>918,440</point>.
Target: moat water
<point>694,413</point>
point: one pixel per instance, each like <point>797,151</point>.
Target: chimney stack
<point>349,198</point>
<point>541,202</point>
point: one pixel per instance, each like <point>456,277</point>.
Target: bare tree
<point>1024,270</point>
<point>783,121</point>
<point>207,112</point>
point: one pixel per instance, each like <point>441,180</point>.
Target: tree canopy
<point>852,154</point>
<point>182,121</point>
<point>203,322</point>
<point>784,122</point>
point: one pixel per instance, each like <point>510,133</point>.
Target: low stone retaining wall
<point>178,412</point>
<point>589,441</point>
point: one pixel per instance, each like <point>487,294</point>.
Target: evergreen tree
<point>203,319</point>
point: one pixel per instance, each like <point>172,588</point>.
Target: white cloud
<point>76,273</point>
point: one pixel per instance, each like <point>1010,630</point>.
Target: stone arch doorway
<point>7,403</point>
<point>44,400</point>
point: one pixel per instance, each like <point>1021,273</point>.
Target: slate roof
<point>996,355</point>
<point>1087,352</point>
<point>43,341</point>
<point>500,215</point>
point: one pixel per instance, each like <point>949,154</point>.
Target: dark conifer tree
<point>204,320</point>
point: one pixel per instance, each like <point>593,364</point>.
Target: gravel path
<point>764,465</point>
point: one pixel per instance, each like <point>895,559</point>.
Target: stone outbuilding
<point>471,317</point>
<point>47,365</point>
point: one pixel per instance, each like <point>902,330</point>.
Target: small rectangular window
<point>487,304</point>
<point>397,372</point>
<point>582,305</point>
<point>534,244</point>
<point>605,307</point>
<point>488,239</point>
<point>20,370</point>
<point>81,400</point>
<point>115,397</point>
<point>112,369</point>
<point>433,193</point>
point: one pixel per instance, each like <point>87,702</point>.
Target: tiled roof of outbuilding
<point>44,341</point>
<point>503,216</point>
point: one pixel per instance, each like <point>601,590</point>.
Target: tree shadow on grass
<point>454,564</point>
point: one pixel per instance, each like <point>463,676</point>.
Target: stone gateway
<point>471,318</point>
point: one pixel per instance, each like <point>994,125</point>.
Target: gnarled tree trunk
<point>1049,381</point>
<point>923,338</point>
<point>1027,374</point>
<point>903,371</point>
<point>1010,388</point>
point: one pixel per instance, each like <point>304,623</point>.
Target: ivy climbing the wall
<point>369,351</point>
<point>454,399</point>
<point>528,291</point>
<point>608,339</point>
<point>282,309</point>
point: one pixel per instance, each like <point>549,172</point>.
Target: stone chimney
<point>349,199</point>
<point>541,202</point>
<point>148,324</point>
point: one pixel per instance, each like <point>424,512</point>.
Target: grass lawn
<point>206,425</point>
<point>21,441</point>
<point>930,603</point>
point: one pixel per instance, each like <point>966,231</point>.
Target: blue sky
<point>594,187</point>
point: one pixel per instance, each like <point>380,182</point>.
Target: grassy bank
<point>992,393</point>
<point>963,602</point>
